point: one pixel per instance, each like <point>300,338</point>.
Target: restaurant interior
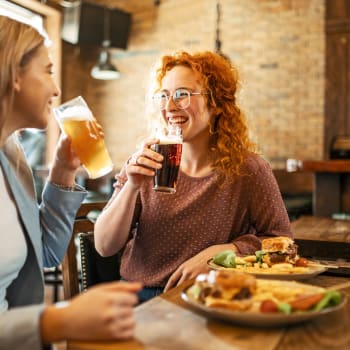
<point>293,58</point>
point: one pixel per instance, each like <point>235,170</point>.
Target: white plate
<point>270,274</point>
<point>257,319</point>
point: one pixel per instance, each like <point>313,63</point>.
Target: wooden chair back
<point>70,272</point>
<point>94,267</point>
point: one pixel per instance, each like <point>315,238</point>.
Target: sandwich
<point>231,290</point>
<point>277,250</point>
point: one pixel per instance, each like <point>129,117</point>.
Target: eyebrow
<point>181,87</point>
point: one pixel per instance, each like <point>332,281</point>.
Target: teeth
<point>177,121</point>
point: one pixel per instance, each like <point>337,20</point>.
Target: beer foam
<point>169,140</point>
<point>76,113</point>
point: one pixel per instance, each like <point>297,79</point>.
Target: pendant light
<point>104,68</point>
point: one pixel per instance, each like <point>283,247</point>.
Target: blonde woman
<point>226,195</point>
<point>33,237</point>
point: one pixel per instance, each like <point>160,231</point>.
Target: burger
<point>226,289</point>
<point>278,250</point>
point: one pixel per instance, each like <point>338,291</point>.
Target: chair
<point>53,278</point>
<point>91,261</point>
<point>95,268</point>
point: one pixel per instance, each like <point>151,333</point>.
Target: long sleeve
<point>57,212</point>
<point>19,328</point>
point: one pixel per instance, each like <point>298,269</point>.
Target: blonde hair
<point>18,44</point>
<point>229,141</point>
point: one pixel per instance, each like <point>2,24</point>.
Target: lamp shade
<point>104,69</point>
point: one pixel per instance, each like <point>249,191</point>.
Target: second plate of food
<point>278,272</point>
<point>257,319</point>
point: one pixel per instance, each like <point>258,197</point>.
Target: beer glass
<point>170,147</point>
<point>77,121</point>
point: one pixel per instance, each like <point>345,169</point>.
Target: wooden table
<point>322,237</point>
<point>167,323</point>
<point>330,179</point>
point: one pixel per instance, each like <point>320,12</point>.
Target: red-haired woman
<point>226,195</point>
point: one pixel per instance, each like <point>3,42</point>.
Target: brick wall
<point>278,46</point>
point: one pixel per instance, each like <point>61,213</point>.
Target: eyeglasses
<point>181,98</point>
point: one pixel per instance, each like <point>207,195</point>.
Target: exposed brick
<point>278,46</point>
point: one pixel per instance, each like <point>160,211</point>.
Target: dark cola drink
<point>166,177</point>
<point>170,147</point>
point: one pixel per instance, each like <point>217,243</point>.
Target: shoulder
<point>254,163</point>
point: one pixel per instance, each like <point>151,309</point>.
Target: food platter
<point>255,318</point>
<point>296,274</point>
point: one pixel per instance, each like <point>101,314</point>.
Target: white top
<point>13,247</point>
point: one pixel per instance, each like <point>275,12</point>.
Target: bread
<point>234,280</point>
<point>228,289</point>
<point>279,250</point>
<point>276,244</point>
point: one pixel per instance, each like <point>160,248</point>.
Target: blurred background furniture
<point>326,239</point>
<point>331,189</point>
<point>296,189</point>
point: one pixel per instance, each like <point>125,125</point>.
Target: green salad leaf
<point>195,291</point>
<point>227,258</point>
<point>259,256</point>
<point>331,298</point>
<point>285,308</point>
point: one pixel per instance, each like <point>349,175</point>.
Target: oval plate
<point>270,274</point>
<point>257,319</point>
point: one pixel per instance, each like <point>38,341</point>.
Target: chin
<point>41,124</point>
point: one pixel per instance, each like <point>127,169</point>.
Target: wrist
<point>215,249</point>
<point>62,176</point>
<point>129,186</point>
<point>53,324</point>
<point>63,187</point>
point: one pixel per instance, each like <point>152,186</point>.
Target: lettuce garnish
<point>330,298</point>
<point>227,258</point>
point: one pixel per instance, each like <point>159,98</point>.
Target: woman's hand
<point>65,164</point>
<point>196,265</point>
<point>65,156</point>
<point>104,312</point>
<point>143,163</point>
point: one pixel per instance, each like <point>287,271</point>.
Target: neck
<point>4,134</point>
<point>195,161</point>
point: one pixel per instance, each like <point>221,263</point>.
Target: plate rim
<point>259,319</point>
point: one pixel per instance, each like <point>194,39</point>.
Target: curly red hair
<point>229,142</point>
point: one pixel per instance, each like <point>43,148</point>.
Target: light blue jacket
<point>47,231</point>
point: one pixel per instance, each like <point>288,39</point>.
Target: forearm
<point>61,176</point>
<point>57,212</point>
<point>113,225</point>
<point>19,328</point>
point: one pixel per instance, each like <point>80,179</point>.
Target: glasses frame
<point>160,99</point>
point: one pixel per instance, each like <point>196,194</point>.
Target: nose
<point>56,90</point>
<point>170,103</point>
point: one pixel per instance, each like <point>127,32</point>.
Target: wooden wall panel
<point>337,92</point>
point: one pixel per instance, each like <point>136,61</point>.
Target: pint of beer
<point>170,147</point>
<point>76,121</point>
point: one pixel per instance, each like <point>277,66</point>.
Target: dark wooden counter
<point>322,237</point>
<point>326,166</point>
<point>331,192</point>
